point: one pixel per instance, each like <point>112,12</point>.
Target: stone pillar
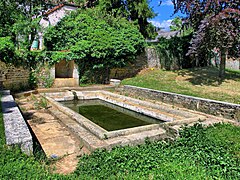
<point>76,74</point>
<point>52,72</point>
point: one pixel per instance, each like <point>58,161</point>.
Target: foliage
<point>178,25</point>
<point>216,25</point>
<point>41,76</point>
<point>41,103</point>
<point>86,3</point>
<point>198,82</point>
<point>18,25</point>
<point>97,43</point>
<point>196,155</point>
<point>172,52</point>
<point>6,49</point>
<point>137,10</point>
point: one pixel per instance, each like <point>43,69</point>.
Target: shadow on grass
<point>208,76</point>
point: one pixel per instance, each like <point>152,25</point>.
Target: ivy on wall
<point>172,52</point>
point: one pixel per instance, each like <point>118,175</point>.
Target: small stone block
<point>115,82</point>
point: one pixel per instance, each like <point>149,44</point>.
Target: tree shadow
<point>207,76</point>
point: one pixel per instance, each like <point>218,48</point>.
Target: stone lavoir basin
<point>109,116</point>
<point>102,119</point>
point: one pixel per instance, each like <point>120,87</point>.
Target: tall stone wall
<point>148,59</point>
<point>131,69</point>
<point>14,78</point>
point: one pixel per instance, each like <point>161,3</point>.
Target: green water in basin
<point>109,116</point>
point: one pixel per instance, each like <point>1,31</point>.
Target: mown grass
<point>200,153</point>
<point>199,82</point>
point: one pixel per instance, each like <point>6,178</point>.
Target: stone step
<point>87,138</point>
<point>137,138</point>
<point>92,142</point>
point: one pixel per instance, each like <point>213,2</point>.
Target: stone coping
<point>64,89</point>
<point>214,107</point>
<point>94,128</point>
<point>164,114</point>
<point>182,95</point>
<point>16,129</point>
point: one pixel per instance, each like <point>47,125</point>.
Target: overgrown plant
<point>41,76</point>
<point>41,103</point>
<point>97,43</point>
<point>197,154</point>
<point>172,52</point>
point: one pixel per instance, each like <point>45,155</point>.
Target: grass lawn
<point>200,153</point>
<point>199,82</point>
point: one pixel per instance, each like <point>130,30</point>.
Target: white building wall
<point>52,19</point>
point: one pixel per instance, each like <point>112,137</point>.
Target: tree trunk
<point>196,60</point>
<point>106,75</point>
<point>222,64</point>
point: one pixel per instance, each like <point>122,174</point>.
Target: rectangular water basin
<point>109,116</point>
<point>155,115</point>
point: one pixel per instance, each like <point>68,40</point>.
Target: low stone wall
<point>231,63</point>
<point>12,77</point>
<point>217,108</point>
<point>16,129</point>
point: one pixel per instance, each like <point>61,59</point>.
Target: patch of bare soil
<point>68,163</point>
<point>56,140</point>
<point>146,71</point>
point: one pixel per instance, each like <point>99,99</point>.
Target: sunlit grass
<point>199,82</point>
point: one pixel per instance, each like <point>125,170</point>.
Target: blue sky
<point>165,13</point>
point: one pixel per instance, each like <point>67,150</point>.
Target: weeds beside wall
<point>41,76</point>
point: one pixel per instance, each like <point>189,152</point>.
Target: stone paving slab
<point>16,129</point>
<point>55,139</point>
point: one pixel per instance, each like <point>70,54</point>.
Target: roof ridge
<point>58,7</point>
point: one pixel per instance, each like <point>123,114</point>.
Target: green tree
<point>6,49</point>
<point>216,25</point>
<point>96,42</point>
<point>18,22</point>
<point>134,10</point>
<point>176,24</point>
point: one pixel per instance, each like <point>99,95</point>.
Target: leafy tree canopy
<point>16,26</point>
<point>134,10</point>
<point>216,24</point>
<point>176,24</point>
<point>93,40</point>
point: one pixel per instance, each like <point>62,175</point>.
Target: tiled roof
<point>54,9</point>
<point>164,34</point>
<point>58,7</point>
